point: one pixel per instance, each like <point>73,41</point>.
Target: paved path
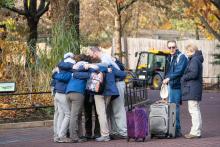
<point>210,106</point>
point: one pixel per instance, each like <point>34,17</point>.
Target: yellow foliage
<point>166,26</point>
<point>6,113</point>
<point>207,10</point>
<point>13,69</point>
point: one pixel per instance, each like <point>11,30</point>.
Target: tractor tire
<point>157,81</point>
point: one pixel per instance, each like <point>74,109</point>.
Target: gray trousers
<point>118,113</point>
<point>55,118</point>
<point>62,120</point>
<point>76,101</point>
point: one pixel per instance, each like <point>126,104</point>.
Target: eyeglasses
<point>171,47</point>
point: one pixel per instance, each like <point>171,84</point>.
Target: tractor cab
<point>151,66</point>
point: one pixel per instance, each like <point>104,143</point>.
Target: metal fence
<point>136,94</point>
<point>211,83</point>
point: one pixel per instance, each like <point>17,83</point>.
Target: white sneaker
<point>103,139</point>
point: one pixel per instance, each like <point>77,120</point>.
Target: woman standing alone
<point>191,86</point>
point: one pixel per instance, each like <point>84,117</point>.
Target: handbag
<point>95,82</point>
<point>164,91</point>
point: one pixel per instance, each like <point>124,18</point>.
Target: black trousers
<point>89,104</point>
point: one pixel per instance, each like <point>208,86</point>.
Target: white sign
<point>7,87</point>
<point>141,77</point>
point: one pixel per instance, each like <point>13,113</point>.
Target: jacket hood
<point>198,55</point>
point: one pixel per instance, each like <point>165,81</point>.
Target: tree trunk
<point>74,16</point>
<point>197,33</point>
<point>70,10</point>
<point>58,10</point>
<point>31,41</point>
<point>118,50</point>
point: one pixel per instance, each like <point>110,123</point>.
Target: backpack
<point>95,83</point>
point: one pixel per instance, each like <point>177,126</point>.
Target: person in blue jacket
<point>177,63</point>
<point>102,100</point>
<point>118,117</point>
<point>77,85</point>
<point>75,95</point>
<point>61,104</point>
<point>191,86</point>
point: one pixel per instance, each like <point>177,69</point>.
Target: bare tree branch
<point>26,8</point>
<point>217,16</point>
<point>110,10</point>
<point>126,20</point>
<point>126,6</point>
<point>110,2</point>
<point>32,7</point>
<point>41,6</point>
<point>45,9</point>
<point>208,27</point>
<point>216,3</point>
<point>16,10</point>
<point>204,22</point>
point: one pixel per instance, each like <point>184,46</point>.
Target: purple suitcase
<point>137,118</point>
<point>137,123</point>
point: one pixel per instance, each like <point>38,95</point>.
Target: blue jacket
<point>110,82</point>
<point>76,81</point>
<point>176,69</point>
<point>61,85</point>
<point>61,82</point>
<point>110,88</point>
<point>191,81</point>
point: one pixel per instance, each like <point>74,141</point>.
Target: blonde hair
<point>191,48</point>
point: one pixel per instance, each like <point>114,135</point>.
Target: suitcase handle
<point>128,96</point>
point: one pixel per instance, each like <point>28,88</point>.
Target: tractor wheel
<point>157,81</point>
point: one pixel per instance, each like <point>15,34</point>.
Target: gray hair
<point>173,41</point>
<point>191,48</point>
<point>95,49</point>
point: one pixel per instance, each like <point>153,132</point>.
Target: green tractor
<point>151,66</point>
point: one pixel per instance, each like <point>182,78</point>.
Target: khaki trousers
<point>101,103</point>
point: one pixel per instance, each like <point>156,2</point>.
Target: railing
<point>30,106</point>
<point>136,93</point>
<point>211,83</point>
<point>34,106</point>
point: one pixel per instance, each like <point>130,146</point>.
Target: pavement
<point>210,108</point>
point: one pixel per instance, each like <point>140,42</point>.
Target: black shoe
<point>179,134</point>
<point>80,140</point>
<point>96,136</point>
<point>117,136</point>
<point>87,137</point>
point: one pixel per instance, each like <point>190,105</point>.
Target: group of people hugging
<point>72,98</point>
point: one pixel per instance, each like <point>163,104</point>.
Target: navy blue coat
<point>176,69</point>
<point>110,82</point>
<point>191,81</point>
<point>60,85</point>
<point>76,82</point>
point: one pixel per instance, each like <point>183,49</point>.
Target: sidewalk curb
<point>46,123</point>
